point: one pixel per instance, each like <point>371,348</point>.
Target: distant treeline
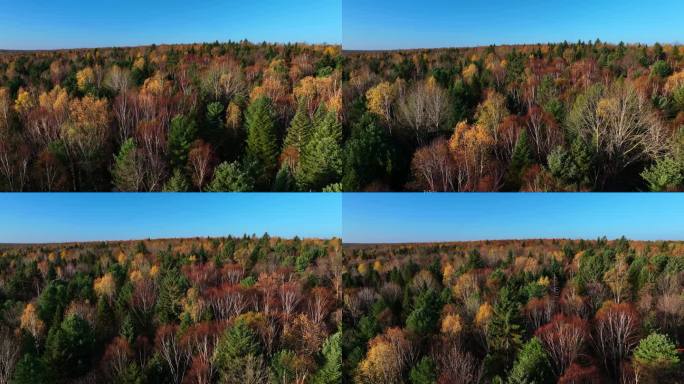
<point>215,117</point>
<point>586,116</point>
<point>518,311</point>
<point>203,310</point>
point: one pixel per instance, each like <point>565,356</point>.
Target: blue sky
<point>392,24</point>
<point>55,217</point>
<point>420,217</point>
<point>34,24</point>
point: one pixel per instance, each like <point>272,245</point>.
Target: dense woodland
<point>244,310</point>
<point>587,116</point>
<point>203,117</point>
<point>532,311</point>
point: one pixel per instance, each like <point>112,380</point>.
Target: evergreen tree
<point>177,183</point>
<point>238,348</point>
<point>321,161</point>
<point>424,318</point>
<point>182,134</point>
<point>30,370</point>
<point>423,372</point>
<point>125,174</point>
<point>262,141</point>
<point>331,370</point>
<point>520,160</point>
<point>229,177</point>
<point>171,291</point>
<point>532,365</point>
<point>214,131</point>
<point>299,131</point>
<point>70,347</point>
<point>504,331</point>
<point>367,154</point>
<point>284,181</point>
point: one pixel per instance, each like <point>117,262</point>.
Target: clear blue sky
<point>409,217</point>
<point>34,24</point>
<point>393,24</point>
<point>55,217</point>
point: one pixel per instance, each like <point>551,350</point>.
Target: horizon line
<point>466,46</point>
<point>29,50</point>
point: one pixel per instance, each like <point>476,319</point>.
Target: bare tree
<point>424,108</point>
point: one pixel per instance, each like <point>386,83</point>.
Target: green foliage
<point>237,350</point>
<point>171,290</point>
<point>532,365</point>
<point>520,160</point>
<point>661,69</point>
<point>30,370</point>
<point>70,347</point>
<point>423,372</point>
<point>299,131</point>
<point>125,172</point>
<point>424,318</point>
<point>656,351</point>
<point>229,177</point>
<point>262,140</point>
<point>182,133</point>
<point>321,160</point>
<point>367,154</point>
<point>664,175</point>
<point>331,370</point>
<point>178,182</point>
<point>504,332</point>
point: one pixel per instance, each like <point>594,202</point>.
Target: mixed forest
<point>525,311</point>
<point>232,116</point>
<point>585,116</point>
<point>245,310</point>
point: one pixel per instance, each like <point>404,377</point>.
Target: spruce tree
<point>299,131</point>
<point>262,141</point>
<point>124,173</point>
<point>182,134</point>
<point>321,161</point>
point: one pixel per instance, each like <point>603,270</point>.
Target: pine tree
<point>532,365</point>
<point>182,134</point>
<point>331,371</point>
<point>125,174</point>
<point>520,160</point>
<point>177,183</point>
<point>504,331</point>
<point>299,131</point>
<point>229,177</point>
<point>262,147</point>
<point>321,160</point>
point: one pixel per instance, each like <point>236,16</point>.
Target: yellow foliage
<point>30,321</point>
<point>24,102</point>
<point>139,63</point>
<point>674,82</point>
<point>484,314</point>
<point>469,72</point>
<point>380,98</point>
<point>233,115</point>
<point>85,78</point>
<point>447,273</point>
<point>105,286</point>
<point>155,84</point>
<point>154,271</point>
<point>452,325</point>
<point>362,268</point>
<point>544,281</point>
<point>377,266</point>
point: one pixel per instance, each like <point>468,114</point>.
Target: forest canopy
<point>585,116</point>
<point>519,311</point>
<point>232,116</point>
<point>199,310</point>
<point>237,116</point>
